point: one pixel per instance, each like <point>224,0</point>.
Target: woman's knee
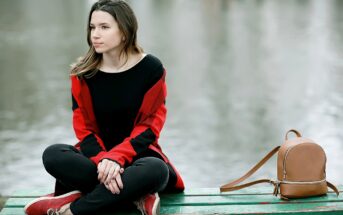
<point>157,169</point>
<point>52,154</point>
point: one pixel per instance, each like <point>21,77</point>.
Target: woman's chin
<point>99,51</point>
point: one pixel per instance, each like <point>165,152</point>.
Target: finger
<point>101,169</point>
<point>119,181</point>
<point>107,187</point>
<point>112,187</point>
<point>110,174</point>
<point>115,186</point>
<point>99,165</point>
<point>116,171</point>
<point>106,170</point>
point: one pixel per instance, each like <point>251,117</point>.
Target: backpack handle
<point>293,131</point>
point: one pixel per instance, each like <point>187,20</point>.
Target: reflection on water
<point>240,73</point>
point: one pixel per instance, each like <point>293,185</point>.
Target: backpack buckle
<point>276,185</point>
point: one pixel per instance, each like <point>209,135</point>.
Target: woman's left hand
<point>109,173</point>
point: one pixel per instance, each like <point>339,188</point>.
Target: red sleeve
<point>85,129</point>
<point>149,123</point>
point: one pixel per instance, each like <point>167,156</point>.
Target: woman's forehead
<point>101,17</point>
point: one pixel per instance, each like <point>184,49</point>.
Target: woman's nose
<point>95,33</point>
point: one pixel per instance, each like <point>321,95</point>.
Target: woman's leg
<point>70,168</point>
<point>145,175</point>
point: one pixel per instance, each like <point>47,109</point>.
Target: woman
<point>118,95</point>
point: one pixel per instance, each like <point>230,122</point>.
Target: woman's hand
<point>109,174</point>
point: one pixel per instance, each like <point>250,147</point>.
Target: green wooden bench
<point>257,200</point>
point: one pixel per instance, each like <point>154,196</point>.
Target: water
<point>240,73</point>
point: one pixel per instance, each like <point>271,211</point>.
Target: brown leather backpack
<point>300,170</point>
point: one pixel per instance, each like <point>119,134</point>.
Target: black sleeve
<point>90,146</point>
<point>155,72</point>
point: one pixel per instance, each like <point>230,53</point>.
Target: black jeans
<point>77,172</point>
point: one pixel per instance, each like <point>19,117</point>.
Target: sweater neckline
<point>133,68</point>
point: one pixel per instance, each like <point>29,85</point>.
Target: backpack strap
<point>333,187</point>
<point>233,185</point>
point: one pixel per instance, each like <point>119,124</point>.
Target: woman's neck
<point>114,63</point>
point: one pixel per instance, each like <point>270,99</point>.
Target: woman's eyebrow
<point>103,23</point>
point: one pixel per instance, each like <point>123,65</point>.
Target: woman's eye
<point>104,27</point>
<point>91,27</point>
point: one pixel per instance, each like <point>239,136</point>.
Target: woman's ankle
<point>65,210</point>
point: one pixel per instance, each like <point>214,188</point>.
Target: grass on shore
<point>2,201</point>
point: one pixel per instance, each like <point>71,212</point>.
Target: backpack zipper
<point>284,163</point>
<point>302,182</point>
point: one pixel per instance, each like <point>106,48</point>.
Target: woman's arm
<point>85,128</point>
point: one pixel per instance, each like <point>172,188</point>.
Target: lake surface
<point>239,75</point>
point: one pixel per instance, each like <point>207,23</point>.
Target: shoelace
<point>53,212</point>
<point>140,206</point>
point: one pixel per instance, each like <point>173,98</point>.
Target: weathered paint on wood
<point>257,200</point>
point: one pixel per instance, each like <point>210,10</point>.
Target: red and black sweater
<point>119,116</point>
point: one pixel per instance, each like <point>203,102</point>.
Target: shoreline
<point>3,200</point>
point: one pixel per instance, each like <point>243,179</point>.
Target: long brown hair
<point>127,22</point>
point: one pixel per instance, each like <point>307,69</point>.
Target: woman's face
<point>105,34</point>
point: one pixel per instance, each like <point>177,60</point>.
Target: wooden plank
<point>12,211</point>
<point>16,206</point>
<point>32,192</point>
<point>328,208</point>
<point>17,202</point>
<point>243,200</point>
<point>20,211</point>
<point>229,209</point>
<point>211,201</point>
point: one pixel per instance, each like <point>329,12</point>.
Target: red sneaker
<point>149,204</point>
<point>42,205</point>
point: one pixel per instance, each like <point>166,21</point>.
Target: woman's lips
<point>97,44</point>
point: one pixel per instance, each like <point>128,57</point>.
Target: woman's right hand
<point>109,173</point>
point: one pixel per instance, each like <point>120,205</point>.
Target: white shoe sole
<point>156,206</point>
